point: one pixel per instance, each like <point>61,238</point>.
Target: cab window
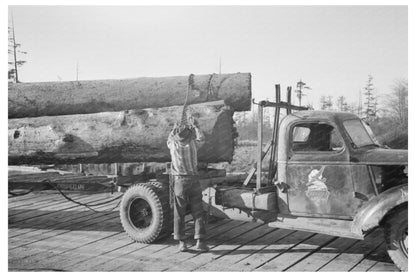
<point>358,132</point>
<point>312,137</point>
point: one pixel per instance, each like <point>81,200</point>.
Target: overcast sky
<point>333,49</point>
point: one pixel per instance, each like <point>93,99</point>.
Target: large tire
<point>395,230</point>
<point>145,212</point>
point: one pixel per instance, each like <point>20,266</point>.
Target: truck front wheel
<point>396,234</point>
<point>145,212</point>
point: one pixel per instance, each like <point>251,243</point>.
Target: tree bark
<point>85,97</point>
<point>127,136</point>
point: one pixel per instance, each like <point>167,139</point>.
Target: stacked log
<point>126,136</point>
<point>121,121</point>
<point>85,97</point>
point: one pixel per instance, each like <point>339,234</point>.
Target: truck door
<point>318,172</point>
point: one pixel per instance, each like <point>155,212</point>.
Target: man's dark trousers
<point>188,190</point>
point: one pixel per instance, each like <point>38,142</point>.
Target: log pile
<point>121,120</point>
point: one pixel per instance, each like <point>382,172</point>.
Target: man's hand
<point>194,123</point>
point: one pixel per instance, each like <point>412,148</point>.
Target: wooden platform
<point>49,233</point>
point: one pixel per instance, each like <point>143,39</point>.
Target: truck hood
<point>381,156</point>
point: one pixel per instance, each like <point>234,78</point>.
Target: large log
<point>85,97</point>
<point>127,136</point>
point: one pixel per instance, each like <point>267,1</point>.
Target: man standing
<point>182,143</point>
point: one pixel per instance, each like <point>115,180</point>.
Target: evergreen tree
<point>326,103</point>
<point>342,104</point>
<point>370,104</point>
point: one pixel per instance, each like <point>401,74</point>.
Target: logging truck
<point>327,174</point>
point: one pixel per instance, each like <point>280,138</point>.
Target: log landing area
<point>49,233</point>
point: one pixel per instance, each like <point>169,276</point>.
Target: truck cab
<point>333,177</point>
<point>329,165</point>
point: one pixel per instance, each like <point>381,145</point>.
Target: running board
<point>332,227</point>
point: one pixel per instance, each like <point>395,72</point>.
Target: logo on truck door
<point>317,190</point>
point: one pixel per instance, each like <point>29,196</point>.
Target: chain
<point>184,119</point>
<point>88,206</point>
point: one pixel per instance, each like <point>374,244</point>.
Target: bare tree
<point>13,51</point>
<point>397,102</point>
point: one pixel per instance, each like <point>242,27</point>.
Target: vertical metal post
<point>260,144</point>
<point>289,100</point>
<point>274,135</point>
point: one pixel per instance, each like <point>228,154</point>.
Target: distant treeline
<point>387,116</point>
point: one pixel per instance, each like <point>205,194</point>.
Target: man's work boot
<point>183,247</point>
<point>201,246</point>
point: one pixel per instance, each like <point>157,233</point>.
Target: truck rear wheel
<point>396,234</point>
<point>145,212</point>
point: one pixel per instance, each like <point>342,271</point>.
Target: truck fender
<point>370,215</point>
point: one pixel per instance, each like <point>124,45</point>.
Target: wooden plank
<point>69,224</point>
<point>244,250</point>
<point>76,252</point>
<point>30,199</point>
<point>297,253</point>
<point>107,261</point>
<point>22,258</point>
<point>110,259</point>
<point>35,213</point>
<point>378,254</point>
<point>64,242</point>
<point>231,246</point>
<point>43,250</point>
<point>41,205</point>
<point>323,255</point>
<point>61,201</point>
<point>19,253</point>
<point>66,258</point>
<point>382,260</point>
<point>166,246</point>
<point>383,267</point>
<point>55,211</point>
<point>140,259</point>
<point>352,256</point>
<point>50,234</point>
<point>61,205</point>
<point>32,195</point>
<point>219,245</point>
<point>55,198</point>
<point>49,219</point>
<point>271,251</point>
<point>189,262</point>
<point>29,222</point>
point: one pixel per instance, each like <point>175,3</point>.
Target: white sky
<point>332,48</point>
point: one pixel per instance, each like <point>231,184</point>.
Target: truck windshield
<point>358,133</point>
